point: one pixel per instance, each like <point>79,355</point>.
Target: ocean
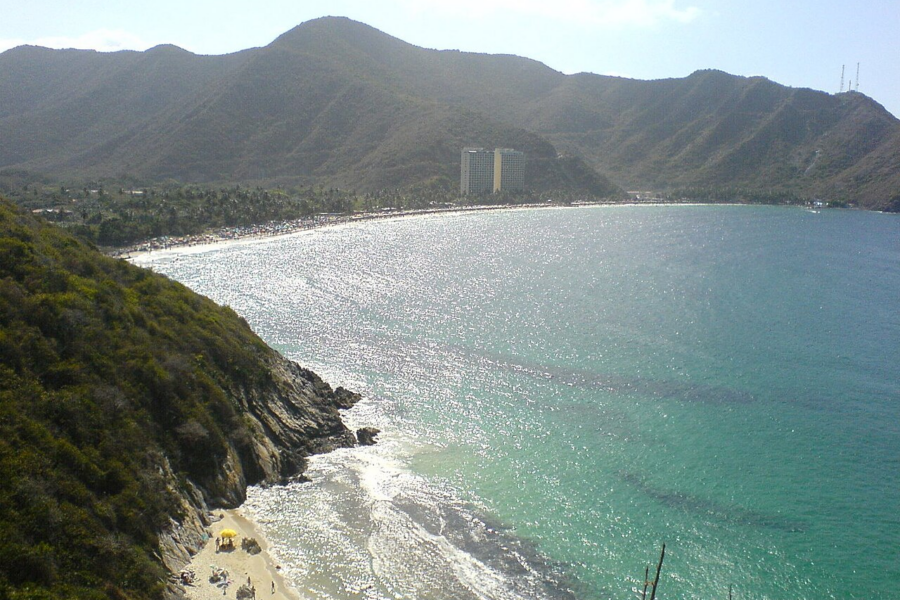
<point>562,391</point>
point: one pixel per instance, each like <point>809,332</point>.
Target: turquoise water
<point>561,391</point>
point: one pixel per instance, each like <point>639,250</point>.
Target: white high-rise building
<point>476,174</point>
<point>509,170</point>
<point>482,171</point>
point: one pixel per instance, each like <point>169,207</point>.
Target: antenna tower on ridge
<point>842,78</point>
<point>857,77</point>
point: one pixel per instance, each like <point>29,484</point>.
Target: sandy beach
<point>261,570</point>
<point>281,228</point>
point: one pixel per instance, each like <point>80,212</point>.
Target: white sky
<point>800,43</point>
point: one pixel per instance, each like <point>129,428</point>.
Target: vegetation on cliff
<point>120,391</point>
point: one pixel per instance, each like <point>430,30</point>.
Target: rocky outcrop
<point>366,436</point>
<point>295,415</point>
<point>286,418</point>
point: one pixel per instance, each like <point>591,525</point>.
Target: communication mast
<point>857,77</point>
<point>842,78</point>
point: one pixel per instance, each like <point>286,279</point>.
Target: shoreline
<point>275,229</point>
<point>261,570</point>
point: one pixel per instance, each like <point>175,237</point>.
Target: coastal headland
<point>196,409</point>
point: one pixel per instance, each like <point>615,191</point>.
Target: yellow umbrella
<point>228,533</point>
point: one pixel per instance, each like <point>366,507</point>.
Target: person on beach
<point>273,587</point>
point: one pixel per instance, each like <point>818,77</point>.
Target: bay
<point>563,390</point>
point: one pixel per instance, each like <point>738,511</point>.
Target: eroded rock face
<point>295,414</point>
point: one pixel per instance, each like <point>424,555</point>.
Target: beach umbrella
<point>228,533</point>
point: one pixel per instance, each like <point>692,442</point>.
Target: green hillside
<point>305,110</point>
<point>127,400</point>
<point>714,129</point>
<point>337,103</point>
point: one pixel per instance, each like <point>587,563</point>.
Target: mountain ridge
<point>338,103</point>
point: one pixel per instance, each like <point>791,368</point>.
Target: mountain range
<point>334,102</point>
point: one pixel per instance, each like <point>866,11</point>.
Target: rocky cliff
<point>129,407</point>
<point>293,416</point>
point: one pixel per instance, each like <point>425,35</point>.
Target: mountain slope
<point>58,106</point>
<point>130,405</point>
<point>714,129</point>
<point>338,103</point>
<point>304,109</point>
<point>709,129</point>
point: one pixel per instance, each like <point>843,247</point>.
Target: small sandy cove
<point>241,565</point>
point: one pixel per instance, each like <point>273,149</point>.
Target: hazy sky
<point>800,43</point>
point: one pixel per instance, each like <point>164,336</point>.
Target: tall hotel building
<point>509,170</point>
<point>483,171</point>
<point>476,175</point>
